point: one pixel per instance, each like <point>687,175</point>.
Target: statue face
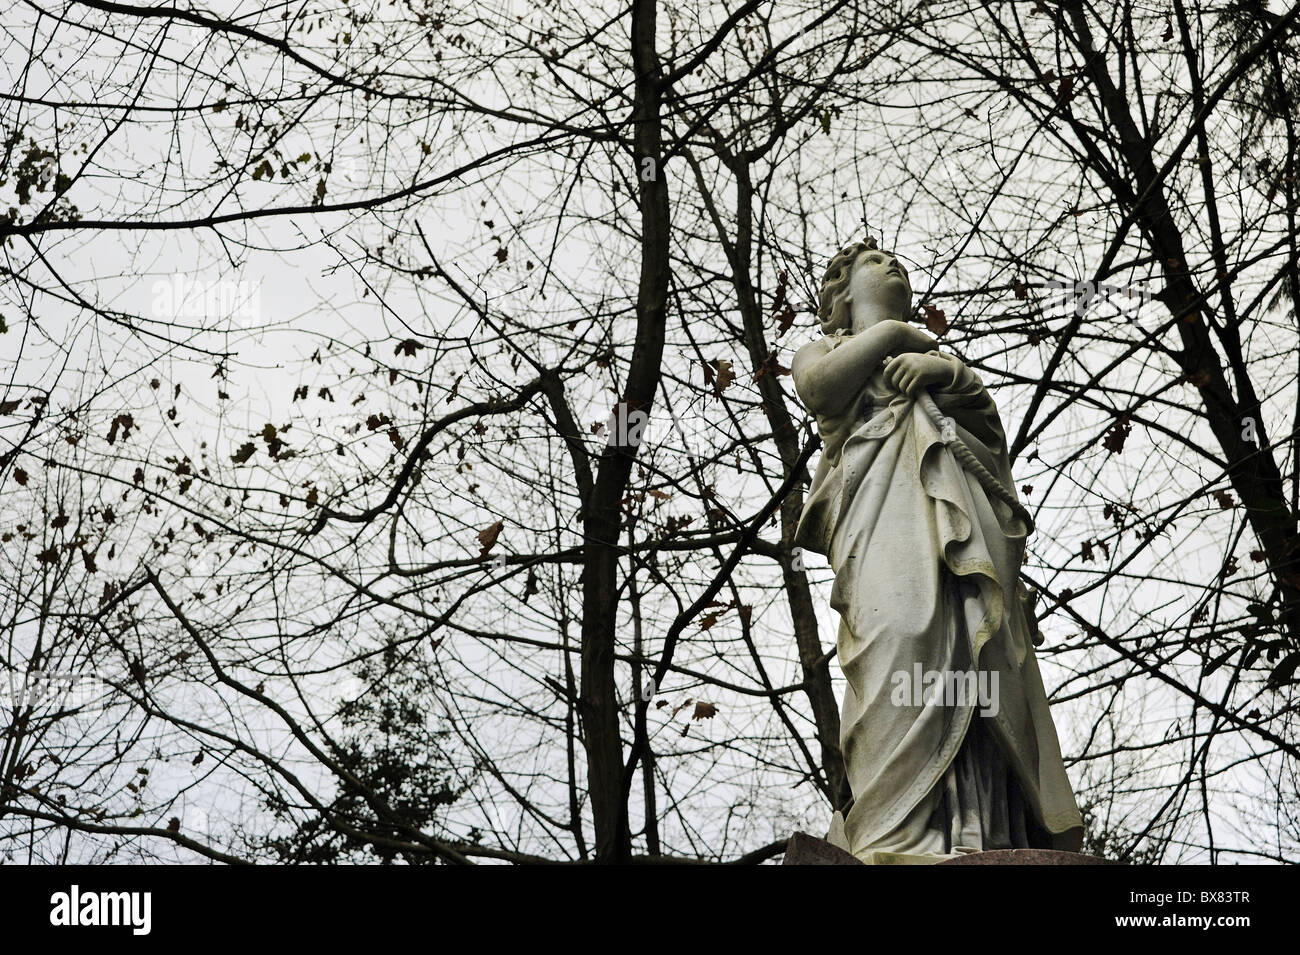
<point>879,288</point>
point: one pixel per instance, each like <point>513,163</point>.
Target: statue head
<point>863,281</point>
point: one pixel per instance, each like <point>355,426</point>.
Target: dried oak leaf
<point>718,374</point>
<point>770,366</point>
<point>935,320</point>
<point>123,421</point>
<point>487,538</point>
<point>784,320</point>
<point>1116,436</point>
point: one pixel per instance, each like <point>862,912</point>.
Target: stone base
<point>910,858</point>
<point>1028,857</point>
<point>805,849</point>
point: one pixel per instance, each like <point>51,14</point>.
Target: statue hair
<point>833,312</point>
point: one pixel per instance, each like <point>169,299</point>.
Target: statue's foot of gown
<point>977,806</point>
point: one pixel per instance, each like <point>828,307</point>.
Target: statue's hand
<point>911,372</point>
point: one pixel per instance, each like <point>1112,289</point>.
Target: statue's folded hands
<point>828,376</point>
<point>909,373</point>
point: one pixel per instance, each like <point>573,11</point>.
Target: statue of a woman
<point>948,743</point>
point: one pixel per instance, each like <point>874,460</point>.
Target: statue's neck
<point>867,314</point>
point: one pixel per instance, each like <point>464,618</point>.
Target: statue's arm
<point>828,378</point>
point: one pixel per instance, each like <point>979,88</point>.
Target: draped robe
<point>926,569</point>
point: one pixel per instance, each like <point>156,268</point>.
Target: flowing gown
<point>926,572</point>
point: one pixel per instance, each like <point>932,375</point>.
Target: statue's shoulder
<point>815,349</point>
<point>809,355</point>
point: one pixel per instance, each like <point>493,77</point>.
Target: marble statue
<point>948,743</point>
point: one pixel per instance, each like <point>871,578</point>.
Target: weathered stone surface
<point>1028,857</point>
<point>805,849</point>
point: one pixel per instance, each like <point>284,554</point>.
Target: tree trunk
<point>602,517</point>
